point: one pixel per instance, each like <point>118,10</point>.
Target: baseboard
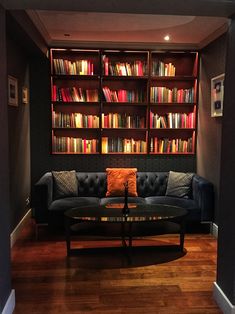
<point>223,302</point>
<point>16,232</point>
<point>214,230</point>
<point>10,304</point>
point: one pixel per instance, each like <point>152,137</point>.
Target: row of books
<point>123,145</point>
<point>160,68</point>
<point>135,68</point>
<point>167,95</point>
<point>123,95</point>
<point>78,67</point>
<point>62,144</point>
<point>172,120</point>
<point>74,120</point>
<point>77,94</point>
<point>117,120</point>
<point>167,145</point>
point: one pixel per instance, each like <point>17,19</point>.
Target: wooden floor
<point>105,281</point>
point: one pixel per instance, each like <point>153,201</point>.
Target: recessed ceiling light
<point>167,37</point>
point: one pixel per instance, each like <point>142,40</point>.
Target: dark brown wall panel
<point>5,277</point>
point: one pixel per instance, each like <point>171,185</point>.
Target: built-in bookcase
<point>123,102</point>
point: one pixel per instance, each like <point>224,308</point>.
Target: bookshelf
<point>123,102</point>
<point>173,102</point>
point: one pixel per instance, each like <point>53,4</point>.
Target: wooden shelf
<point>177,72</point>
<point>124,77</point>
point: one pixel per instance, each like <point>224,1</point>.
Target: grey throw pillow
<point>64,184</point>
<point>179,184</point>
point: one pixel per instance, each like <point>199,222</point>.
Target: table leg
<point>182,233</point>
<point>130,235</point>
<point>124,234</point>
<point>68,235</point>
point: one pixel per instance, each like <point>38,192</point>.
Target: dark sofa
<point>92,187</point>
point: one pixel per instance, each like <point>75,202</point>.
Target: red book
<point>84,145</point>
<point>53,96</point>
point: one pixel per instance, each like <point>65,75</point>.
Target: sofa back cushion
<point>92,184</point>
<point>151,183</point>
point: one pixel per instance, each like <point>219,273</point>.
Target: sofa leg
<point>37,226</point>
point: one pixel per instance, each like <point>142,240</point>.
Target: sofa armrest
<point>203,194</point>
<point>42,198</point>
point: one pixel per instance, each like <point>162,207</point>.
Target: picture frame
<point>12,91</point>
<point>217,95</point>
<point>25,95</point>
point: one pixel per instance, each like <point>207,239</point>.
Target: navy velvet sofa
<point>92,187</point>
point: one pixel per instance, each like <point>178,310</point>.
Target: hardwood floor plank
<point>158,279</point>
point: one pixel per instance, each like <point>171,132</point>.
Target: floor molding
<point>214,230</point>
<point>10,304</point>
<point>223,302</point>
<point>16,232</point>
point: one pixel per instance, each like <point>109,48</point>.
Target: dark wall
<point>5,278</point>
<point>209,129</point>
<point>226,251</point>
<point>41,158</point>
<point>20,50</point>
<point>19,131</point>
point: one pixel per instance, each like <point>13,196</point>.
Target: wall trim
<point>223,302</point>
<point>214,230</point>
<point>10,304</point>
<point>16,232</point>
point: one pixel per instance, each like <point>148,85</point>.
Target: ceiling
<point>134,23</point>
<point>71,28</point>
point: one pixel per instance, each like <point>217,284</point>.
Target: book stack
<point>166,95</point>
<point>123,145</point>
<point>74,120</point>
<point>172,120</point>
<point>166,145</point>
<point>65,144</point>
<point>123,95</point>
<point>74,94</point>
<point>117,120</point>
<point>135,68</point>
<point>160,68</point>
<point>68,67</point>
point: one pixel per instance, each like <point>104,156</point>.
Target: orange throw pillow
<point>116,177</point>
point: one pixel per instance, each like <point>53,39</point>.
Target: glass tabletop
<point>136,212</point>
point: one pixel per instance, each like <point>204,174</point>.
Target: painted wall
<point>19,143</point>
<point>19,132</point>
<point>226,236</point>
<point>209,129</point>
<point>21,49</point>
<point>5,277</point>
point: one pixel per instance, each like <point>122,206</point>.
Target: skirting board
<point>214,230</point>
<point>223,302</point>
<point>16,232</point>
<point>10,304</point>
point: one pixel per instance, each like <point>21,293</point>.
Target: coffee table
<point>166,219</point>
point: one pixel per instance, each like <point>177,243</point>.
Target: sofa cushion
<point>151,183</point>
<point>190,205</point>
<point>179,184</point>
<point>116,177</point>
<point>120,199</point>
<point>71,202</point>
<point>65,184</point>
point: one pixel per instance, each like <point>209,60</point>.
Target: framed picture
<point>25,95</point>
<point>12,91</point>
<point>217,95</point>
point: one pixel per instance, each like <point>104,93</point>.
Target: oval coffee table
<point>170,218</point>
